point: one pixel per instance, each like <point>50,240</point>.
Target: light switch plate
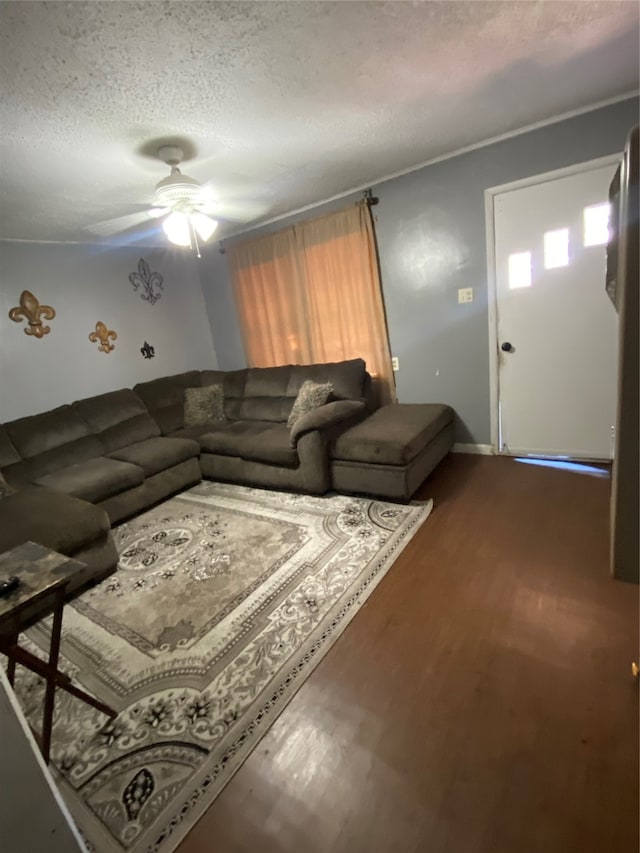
<point>395,363</point>
<point>465,294</point>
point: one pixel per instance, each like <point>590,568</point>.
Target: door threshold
<point>591,467</point>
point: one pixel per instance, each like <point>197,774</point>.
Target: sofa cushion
<point>311,396</point>
<point>347,377</point>
<point>8,453</point>
<point>234,382</point>
<point>5,488</point>
<point>94,480</point>
<point>212,377</point>
<point>234,385</point>
<point>267,381</point>
<point>118,418</point>
<point>157,454</point>
<point>204,405</point>
<point>164,398</point>
<point>393,435</point>
<point>49,442</point>
<point>275,409</point>
<point>194,432</point>
<point>272,446</point>
<point>41,433</point>
<point>227,440</point>
<point>60,522</point>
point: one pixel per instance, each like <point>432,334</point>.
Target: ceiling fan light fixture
<point>176,227</point>
<point>203,225</point>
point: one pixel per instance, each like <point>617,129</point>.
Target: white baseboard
<point>478,449</point>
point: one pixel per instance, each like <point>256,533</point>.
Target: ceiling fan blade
<point>109,227</point>
<point>234,211</point>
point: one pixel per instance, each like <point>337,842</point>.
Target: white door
<point>556,327</point>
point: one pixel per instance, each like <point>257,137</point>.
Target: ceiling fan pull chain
<point>195,237</point>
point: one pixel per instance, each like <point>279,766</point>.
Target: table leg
<point>52,669</point>
<point>11,661</point>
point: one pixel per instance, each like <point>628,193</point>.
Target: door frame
<point>492,295</point>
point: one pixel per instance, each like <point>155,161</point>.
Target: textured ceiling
<point>284,103</point>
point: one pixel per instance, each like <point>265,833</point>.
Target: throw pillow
<point>310,396</point>
<point>5,488</point>
<point>204,405</point>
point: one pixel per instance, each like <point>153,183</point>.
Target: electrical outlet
<point>395,363</point>
<point>465,294</point>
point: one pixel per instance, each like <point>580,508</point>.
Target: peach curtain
<point>311,293</point>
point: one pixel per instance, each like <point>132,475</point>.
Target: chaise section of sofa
<point>65,524</point>
<point>58,521</point>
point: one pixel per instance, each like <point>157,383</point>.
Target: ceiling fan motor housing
<point>176,189</point>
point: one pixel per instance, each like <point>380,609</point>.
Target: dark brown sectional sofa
<point>257,447</point>
<point>78,469</point>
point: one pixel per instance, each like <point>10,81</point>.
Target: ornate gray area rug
<point>225,600</point>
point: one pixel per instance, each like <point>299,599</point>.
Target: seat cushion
<point>195,432</point>
<point>227,440</point>
<point>94,480</point>
<point>57,521</point>
<point>393,435</point>
<point>272,445</point>
<point>157,454</point>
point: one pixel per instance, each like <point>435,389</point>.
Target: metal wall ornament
<point>147,350</point>
<point>149,282</point>
<point>33,312</point>
<point>104,335</point>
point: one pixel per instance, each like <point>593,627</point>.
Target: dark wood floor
<point>481,702</point>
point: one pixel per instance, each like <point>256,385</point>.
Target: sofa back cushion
<point>118,418</point>
<point>347,378</point>
<point>268,381</point>
<point>234,392</point>
<point>274,409</point>
<point>164,398</point>
<point>48,442</point>
<point>8,453</point>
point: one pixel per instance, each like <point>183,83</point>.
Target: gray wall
<point>431,239</point>
<point>84,284</point>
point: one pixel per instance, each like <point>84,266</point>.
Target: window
<point>519,270</point>
<point>596,224</point>
<point>556,248</point>
<point>311,293</point>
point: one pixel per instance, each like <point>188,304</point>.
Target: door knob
<point>506,347</point>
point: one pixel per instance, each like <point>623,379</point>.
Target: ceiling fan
<point>180,200</point>
<point>184,205</point>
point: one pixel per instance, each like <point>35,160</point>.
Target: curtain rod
<point>368,197</point>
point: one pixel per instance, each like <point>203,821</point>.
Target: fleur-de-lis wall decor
<point>147,350</point>
<point>33,312</point>
<point>150,282</point>
<point>104,335</point>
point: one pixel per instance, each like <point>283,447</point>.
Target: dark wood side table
<point>44,577</point>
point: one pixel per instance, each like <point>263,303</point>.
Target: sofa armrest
<point>326,416</point>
